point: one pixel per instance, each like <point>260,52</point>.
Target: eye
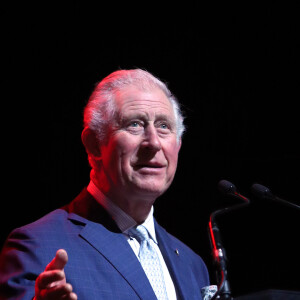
<point>135,124</point>
<point>164,126</point>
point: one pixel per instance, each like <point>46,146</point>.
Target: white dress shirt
<point>125,223</point>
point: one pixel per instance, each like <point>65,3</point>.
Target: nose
<point>151,140</point>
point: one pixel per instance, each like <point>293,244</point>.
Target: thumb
<point>59,261</point>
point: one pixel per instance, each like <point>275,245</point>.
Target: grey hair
<point>100,109</point>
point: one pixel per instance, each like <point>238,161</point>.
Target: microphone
<point>218,251</point>
<point>263,192</point>
<point>228,188</point>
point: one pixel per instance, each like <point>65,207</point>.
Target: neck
<point>137,206</point>
<point>138,212</point>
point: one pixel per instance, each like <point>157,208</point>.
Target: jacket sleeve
<point>19,266</point>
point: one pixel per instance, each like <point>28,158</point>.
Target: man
<point>132,135</point>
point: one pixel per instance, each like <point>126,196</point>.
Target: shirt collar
<point>123,220</point>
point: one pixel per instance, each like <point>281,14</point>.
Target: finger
<point>59,261</point>
<point>71,296</point>
<point>47,278</point>
<point>62,291</point>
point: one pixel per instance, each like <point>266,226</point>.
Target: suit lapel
<point>177,264</point>
<point>101,232</point>
<point>115,248</point>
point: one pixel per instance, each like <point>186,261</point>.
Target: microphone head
<point>261,191</point>
<point>264,193</point>
<point>226,187</point>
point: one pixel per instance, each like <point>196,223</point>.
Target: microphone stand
<point>220,261</point>
<point>218,251</point>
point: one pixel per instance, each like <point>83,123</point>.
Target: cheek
<point>172,156</point>
<point>120,153</point>
<point>110,156</point>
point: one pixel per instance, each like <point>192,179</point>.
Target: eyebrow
<point>143,116</point>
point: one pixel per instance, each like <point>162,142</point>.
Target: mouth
<point>149,166</point>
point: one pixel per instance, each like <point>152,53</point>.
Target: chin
<point>151,189</point>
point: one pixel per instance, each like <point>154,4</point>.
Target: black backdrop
<point>234,67</point>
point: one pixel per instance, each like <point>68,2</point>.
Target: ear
<point>90,142</point>
<point>179,144</point>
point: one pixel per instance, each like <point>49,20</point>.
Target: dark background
<point>235,69</point>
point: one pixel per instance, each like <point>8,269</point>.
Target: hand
<point>51,284</point>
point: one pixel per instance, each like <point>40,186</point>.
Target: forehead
<point>133,100</point>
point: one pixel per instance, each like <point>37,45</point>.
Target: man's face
<point>140,156</point>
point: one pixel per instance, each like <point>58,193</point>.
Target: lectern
<point>271,295</point>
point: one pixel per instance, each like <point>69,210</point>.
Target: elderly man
<point>106,243</point>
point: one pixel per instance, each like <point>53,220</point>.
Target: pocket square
<point>207,292</point>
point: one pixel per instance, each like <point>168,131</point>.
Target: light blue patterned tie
<point>150,262</point>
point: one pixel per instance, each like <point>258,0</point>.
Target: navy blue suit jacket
<point>101,263</point>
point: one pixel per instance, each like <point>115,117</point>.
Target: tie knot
<point>140,233</point>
